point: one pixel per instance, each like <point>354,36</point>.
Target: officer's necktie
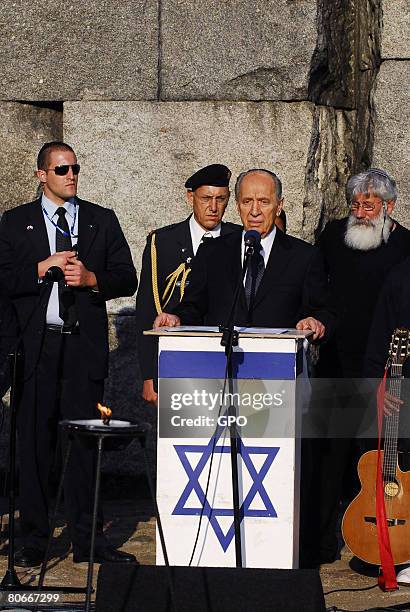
<point>67,310</point>
<point>205,238</point>
<point>256,268</point>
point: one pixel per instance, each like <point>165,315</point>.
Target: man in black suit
<point>168,257</point>
<point>288,277</point>
<point>65,338</point>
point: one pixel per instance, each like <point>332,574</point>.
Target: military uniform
<point>166,266</point>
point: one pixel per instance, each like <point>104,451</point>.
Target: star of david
<point>193,484</point>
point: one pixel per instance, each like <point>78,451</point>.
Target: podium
<point>194,488</point>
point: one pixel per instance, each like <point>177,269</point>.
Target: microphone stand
<point>10,580</point>
<point>230,338</point>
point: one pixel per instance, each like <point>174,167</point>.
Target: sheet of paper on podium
<point>216,330</point>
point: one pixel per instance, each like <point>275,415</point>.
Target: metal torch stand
<point>116,437</point>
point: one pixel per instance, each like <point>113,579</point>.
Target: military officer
<point>167,258</point>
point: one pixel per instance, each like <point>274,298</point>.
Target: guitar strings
<point>391,436</point>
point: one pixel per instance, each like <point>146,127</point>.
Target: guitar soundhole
<point>391,489</point>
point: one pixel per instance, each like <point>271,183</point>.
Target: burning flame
<point>105,413</point>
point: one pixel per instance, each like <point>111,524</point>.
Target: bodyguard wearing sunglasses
<point>65,341</point>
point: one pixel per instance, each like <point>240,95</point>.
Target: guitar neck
<point>392,427</point>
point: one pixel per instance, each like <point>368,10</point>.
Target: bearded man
<point>359,252</point>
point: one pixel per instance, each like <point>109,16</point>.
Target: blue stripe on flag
<point>210,364</point>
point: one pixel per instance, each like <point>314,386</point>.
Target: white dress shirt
<point>72,218</point>
<point>266,246</point>
<point>197,233</point>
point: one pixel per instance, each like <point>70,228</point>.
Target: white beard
<point>367,234</point>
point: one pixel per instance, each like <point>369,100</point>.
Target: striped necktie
<point>256,268</point>
<point>205,238</point>
<point>67,309</point>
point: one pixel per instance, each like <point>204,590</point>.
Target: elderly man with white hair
<point>359,252</point>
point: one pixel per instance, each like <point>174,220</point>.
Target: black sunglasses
<point>63,170</point>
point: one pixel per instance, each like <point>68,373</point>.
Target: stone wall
<point>147,91</point>
<point>146,151</point>
<point>24,129</point>
<point>236,50</point>
<point>54,50</point>
<point>391,102</point>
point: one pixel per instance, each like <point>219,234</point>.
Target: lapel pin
<point>188,259</point>
<point>183,250</point>
<point>29,227</point>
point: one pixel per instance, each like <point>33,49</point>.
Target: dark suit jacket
<point>392,311</point>
<point>293,285</point>
<point>103,250</point>
<point>174,246</point>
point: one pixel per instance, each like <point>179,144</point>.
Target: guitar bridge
<point>391,522</point>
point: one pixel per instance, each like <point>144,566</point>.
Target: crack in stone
<point>395,59</point>
<point>261,71</point>
<point>342,78</point>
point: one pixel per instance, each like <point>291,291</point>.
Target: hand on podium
<point>166,320</point>
<point>314,325</point>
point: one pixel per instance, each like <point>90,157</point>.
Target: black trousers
<point>59,389</point>
<point>329,464</point>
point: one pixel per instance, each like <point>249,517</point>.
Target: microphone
<point>252,240</point>
<point>53,275</point>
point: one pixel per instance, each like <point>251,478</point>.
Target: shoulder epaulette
<point>166,228</point>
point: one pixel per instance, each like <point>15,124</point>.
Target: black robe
<point>355,278</point>
<point>392,311</point>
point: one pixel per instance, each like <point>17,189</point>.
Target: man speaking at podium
<point>285,285</point>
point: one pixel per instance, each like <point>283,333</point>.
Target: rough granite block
<point>76,50</point>
<point>24,129</point>
<point>392,130</point>
<point>247,50</point>
<point>396,29</point>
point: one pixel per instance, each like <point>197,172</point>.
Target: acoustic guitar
<point>359,522</point>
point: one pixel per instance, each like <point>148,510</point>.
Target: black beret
<point>215,175</point>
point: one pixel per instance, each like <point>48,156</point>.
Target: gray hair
<point>382,185</point>
<point>276,179</point>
